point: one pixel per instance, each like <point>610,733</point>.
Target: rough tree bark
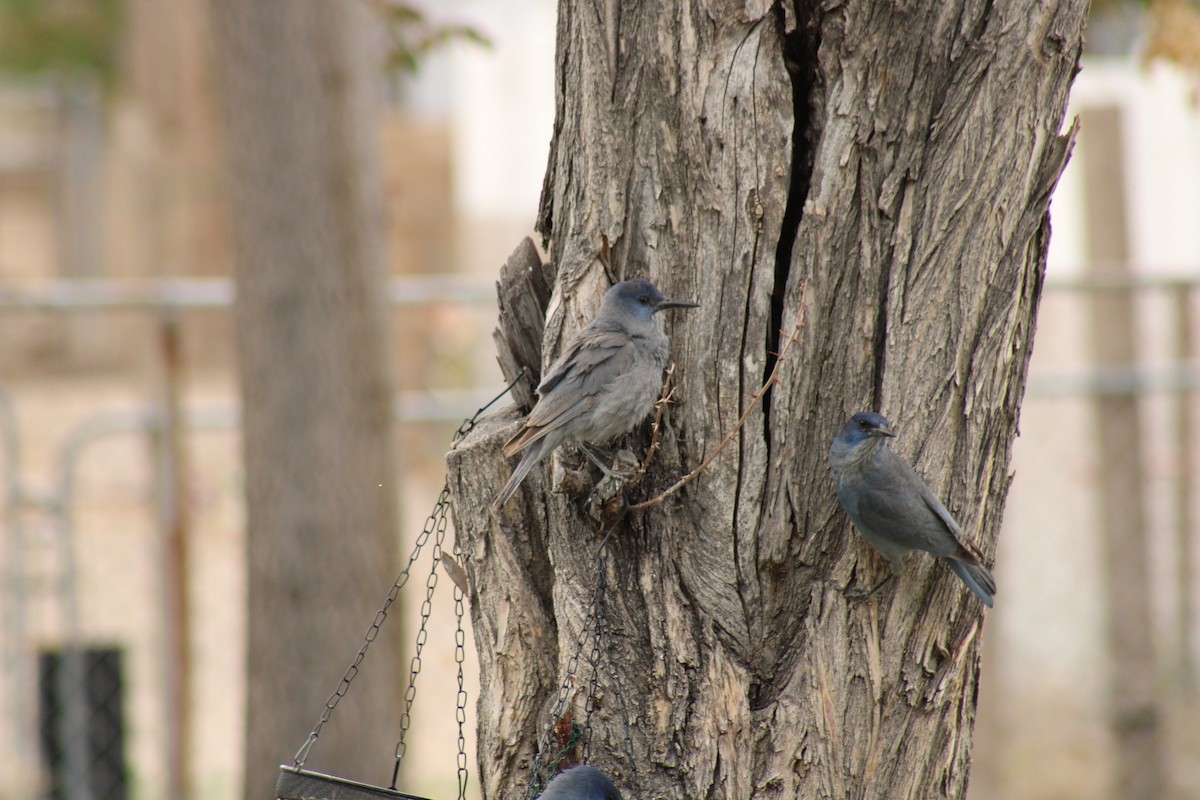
<point>307,200</point>
<point>891,164</point>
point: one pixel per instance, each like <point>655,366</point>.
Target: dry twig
<point>660,407</point>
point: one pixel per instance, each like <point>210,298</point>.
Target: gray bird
<point>605,382</point>
<point>893,508</point>
<point>581,783</point>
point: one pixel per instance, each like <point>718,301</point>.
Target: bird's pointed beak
<point>663,305</point>
<point>883,431</point>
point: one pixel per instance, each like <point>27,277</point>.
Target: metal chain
<point>541,769</point>
<point>439,512</point>
<point>438,520</point>
<point>372,632</point>
<point>594,623</point>
<point>460,715</point>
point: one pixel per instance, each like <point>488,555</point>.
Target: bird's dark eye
<point>863,424</point>
<point>645,300</point>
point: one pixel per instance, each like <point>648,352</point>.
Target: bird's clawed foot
<point>859,596</point>
<point>618,466</point>
<point>621,467</point>
<point>616,469</point>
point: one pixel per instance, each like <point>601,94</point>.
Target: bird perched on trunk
<point>893,508</point>
<point>605,382</point>
<point>581,783</point>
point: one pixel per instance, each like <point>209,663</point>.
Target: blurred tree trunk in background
<point>297,87</point>
<point>889,165</point>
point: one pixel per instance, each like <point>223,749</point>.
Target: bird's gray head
<point>638,298</point>
<point>581,783</point>
<point>863,427</point>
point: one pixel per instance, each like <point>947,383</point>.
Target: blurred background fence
<point>93,573</point>
<point>119,421</point>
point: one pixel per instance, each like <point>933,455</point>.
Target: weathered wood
<point>524,292</point>
<point>896,164</point>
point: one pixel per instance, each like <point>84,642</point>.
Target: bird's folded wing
<point>591,346</point>
<point>943,514</point>
<point>948,519</point>
<point>593,360</point>
<point>900,506</point>
<point>885,506</point>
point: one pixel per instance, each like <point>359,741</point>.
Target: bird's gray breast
<point>629,397</point>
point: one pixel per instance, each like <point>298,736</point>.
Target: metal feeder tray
<point>300,784</point>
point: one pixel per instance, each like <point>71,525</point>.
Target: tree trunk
<point>881,174</point>
<point>306,195</point>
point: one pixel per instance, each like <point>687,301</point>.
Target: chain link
<point>435,523</point>
<point>372,632</point>
<point>594,630</point>
<point>460,702</point>
<point>438,520</point>
<point>542,769</point>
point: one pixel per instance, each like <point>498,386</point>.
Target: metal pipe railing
<point>182,294</point>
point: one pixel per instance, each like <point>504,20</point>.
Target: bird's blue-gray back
<point>893,499</point>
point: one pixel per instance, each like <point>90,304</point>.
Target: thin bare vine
<point>772,379</point>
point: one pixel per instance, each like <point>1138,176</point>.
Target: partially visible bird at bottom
<point>581,783</point>
<point>605,382</point>
<point>893,508</point>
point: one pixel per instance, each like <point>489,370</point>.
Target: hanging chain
<point>431,524</point>
<point>460,702</point>
<point>372,632</point>
<point>546,761</point>
<point>438,521</point>
<point>542,768</point>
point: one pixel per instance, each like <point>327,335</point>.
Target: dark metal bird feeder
<point>300,784</point>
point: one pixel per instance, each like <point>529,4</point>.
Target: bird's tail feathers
<point>522,439</point>
<point>533,454</point>
<point>977,577</point>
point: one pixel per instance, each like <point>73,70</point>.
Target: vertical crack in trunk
<point>800,57</point>
<point>881,323</point>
